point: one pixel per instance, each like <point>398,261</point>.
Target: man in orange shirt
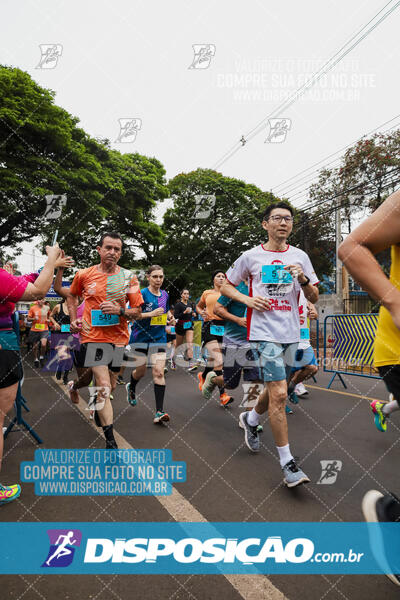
<point>212,335</point>
<point>38,315</point>
<point>103,327</point>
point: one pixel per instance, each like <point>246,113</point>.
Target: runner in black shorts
<point>60,318</point>
<point>212,334</point>
<point>184,313</point>
<point>13,289</point>
<point>171,338</point>
<point>85,374</point>
<point>238,358</point>
<point>105,288</point>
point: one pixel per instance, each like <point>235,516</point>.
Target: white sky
<point>130,59</point>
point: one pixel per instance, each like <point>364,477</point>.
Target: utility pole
<point>339,266</point>
<point>33,261</point>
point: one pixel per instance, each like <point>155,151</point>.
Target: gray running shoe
<point>250,433</point>
<point>260,428</point>
<point>208,385</point>
<point>293,475</point>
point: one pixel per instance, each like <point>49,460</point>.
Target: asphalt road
<point>225,482</point>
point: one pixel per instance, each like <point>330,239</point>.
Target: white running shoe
<point>301,390</point>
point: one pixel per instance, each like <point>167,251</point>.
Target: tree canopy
<point>43,151</point>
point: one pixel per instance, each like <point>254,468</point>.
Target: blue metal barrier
<point>20,401</point>
<point>348,346</point>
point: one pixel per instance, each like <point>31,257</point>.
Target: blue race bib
<point>275,274</point>
<point>100,319</point>
<point>172,330</point>
<point>187,324</point>
<point>217,330</point>
<point>65,328</point>
<point>304,333</point>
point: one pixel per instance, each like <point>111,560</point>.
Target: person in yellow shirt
<point>380,231</point>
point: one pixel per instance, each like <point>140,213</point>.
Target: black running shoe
<point>111,445</point>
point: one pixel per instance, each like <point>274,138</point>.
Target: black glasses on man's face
<point>279,218</point>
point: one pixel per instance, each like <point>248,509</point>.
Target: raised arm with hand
<point>39,288</point>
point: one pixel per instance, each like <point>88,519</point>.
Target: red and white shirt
<point>281,324</point>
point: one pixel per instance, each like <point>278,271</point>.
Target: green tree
<point>43,151</point>
<point>368,172</point>
<point>202,237</point>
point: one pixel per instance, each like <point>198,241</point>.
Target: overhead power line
<point>385,184</point>
<point>329,65</point>
<point>323,162</point>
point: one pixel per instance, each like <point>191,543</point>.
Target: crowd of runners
<point>255,328</point>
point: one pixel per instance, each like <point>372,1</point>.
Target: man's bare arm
<point>72,303</point>
<point>258,302</point>
<point>63,292</point>
<point>222,312</point>
<point>380,231</point>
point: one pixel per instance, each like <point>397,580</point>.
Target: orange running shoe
<point>224,399</point>
<point>201,381</point>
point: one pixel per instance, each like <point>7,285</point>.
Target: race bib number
<point>172,330</point>
<point>65,328</point>
<point>159,320</point>
<point>275,274</point>
<point>304,333</point>
<point>100,319</point>
<point>39,327</point>
<point>217,330</point>
<point>187,324</point>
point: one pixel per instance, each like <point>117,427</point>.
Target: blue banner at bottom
<point>204,548</point>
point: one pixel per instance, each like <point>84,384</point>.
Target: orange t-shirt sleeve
<point>31,314</point>
<point>76,285</point>
<point>135,300</point>
<point>202,301</point>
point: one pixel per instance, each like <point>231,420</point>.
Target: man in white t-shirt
<point>277,272</point>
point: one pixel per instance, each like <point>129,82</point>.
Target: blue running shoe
<point>130,396</point>
<point>161,417</point>
<point>380,418</point>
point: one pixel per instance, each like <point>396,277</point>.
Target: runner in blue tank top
<point>149,335</point>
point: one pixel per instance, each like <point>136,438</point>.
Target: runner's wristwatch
<point>306,283</point>
<point>122,311</point>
